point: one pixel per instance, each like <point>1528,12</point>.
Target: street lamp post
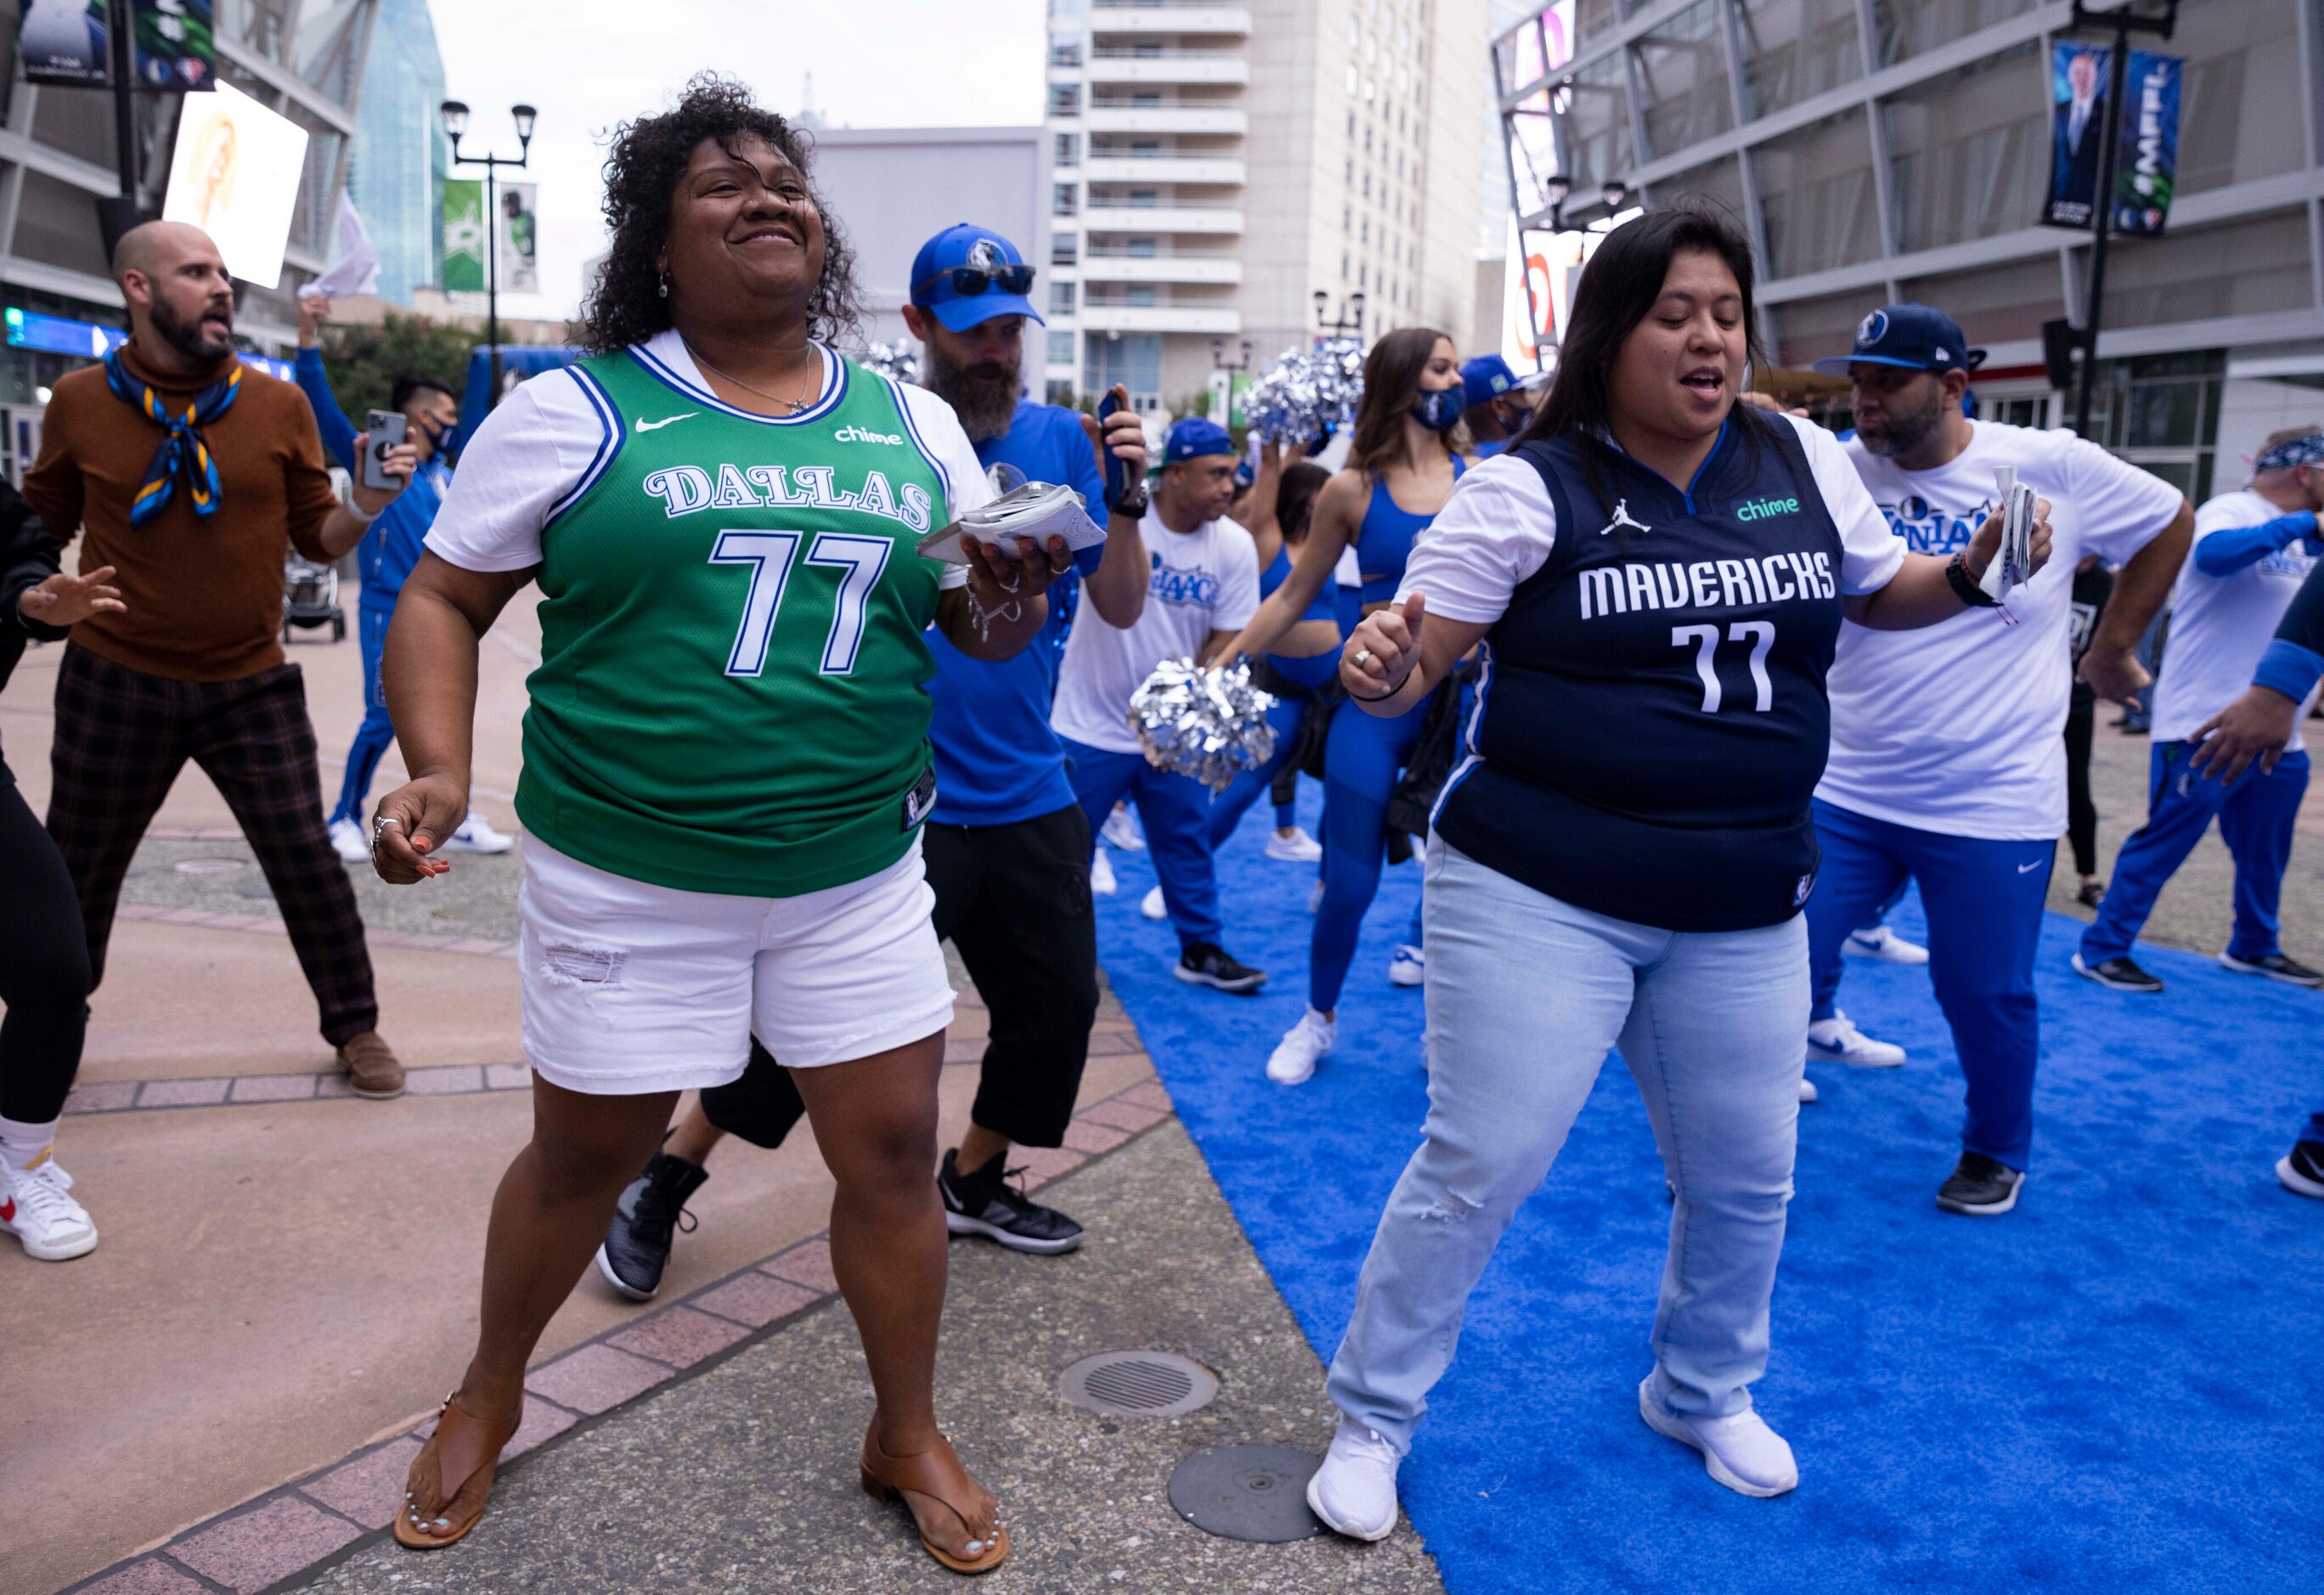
<point>1349,322</point>
<point>1229,369</point>
<point>456,124</point>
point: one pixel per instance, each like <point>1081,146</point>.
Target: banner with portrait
<point>67,43</point>
<point>235,174</point>
<point>519,240</point>
<point>2077,113</point>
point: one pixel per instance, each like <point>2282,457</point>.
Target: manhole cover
<point>209,866</point>
<point>1139,1385</point>
<point>1248,1492</point>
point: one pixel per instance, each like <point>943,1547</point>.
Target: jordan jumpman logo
<point>1622,517</point>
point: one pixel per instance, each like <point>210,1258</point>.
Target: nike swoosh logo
<point>646,425</point>
<point>2029,868</point>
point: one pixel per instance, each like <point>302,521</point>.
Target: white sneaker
<point>1293,1061</point>
<point>1837,1041</point>
<point>1807,1089</point>
<point>1407,966</point>
<point>1152,905</point>
<point>1884,944</point>
<point>1298,848</point>
<point>1354,1491</point>
<point>348,841</point>
<point>1315,896</point>
<point>1740,1449</point>
<point>36,1209</point>
<point>1101,880</point>
<point>1122,831</point>
<point>477,834</point>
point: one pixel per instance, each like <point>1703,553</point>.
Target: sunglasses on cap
<point>968,282</point>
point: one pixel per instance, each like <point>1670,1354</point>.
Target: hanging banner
<point>519,264</point>
<point>235,174</point>
<point>464,235</point>
<point>2147,160</point>
<point>176,42</point>
<point>66,42</point>
<point>2077,113</point>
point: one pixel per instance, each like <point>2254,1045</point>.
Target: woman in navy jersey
<point>1305,659</point>
<point>1657,577</point>
<point>1401,468</point>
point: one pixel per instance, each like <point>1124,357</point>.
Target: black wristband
<point>1957,577</point>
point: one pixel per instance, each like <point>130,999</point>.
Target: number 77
<point>770,555</point>
<point>1761,634</point>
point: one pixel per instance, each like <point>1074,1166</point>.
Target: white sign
<point>235,174</point>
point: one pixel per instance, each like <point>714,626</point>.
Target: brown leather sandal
<point>464,1453</point>
<point>938,1475</point>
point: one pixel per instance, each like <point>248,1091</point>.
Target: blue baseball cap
<point>1485,379</point>
<point>964,245</point>
<point>1194,438</point>
<point>1917,338</point>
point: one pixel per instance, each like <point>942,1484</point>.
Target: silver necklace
<point>807,389</point>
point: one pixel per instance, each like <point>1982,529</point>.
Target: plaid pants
<point>122,736</point>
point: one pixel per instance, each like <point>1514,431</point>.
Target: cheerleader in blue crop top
<point>1656,578</point>
<point>1304,660</point>
<point>1403,455</point>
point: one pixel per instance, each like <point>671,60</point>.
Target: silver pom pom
<point>1211,725</point>
<point>1307,394</point>
<point>899,360</point>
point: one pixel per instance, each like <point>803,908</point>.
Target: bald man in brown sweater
<point>193,475</point>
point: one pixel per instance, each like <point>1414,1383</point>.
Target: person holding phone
<point>1007,845</point>
<point>727,765</point>
<point>1657,576</point>
<point>430,414</point>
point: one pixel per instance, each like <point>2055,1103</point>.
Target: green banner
<point>464,235</point>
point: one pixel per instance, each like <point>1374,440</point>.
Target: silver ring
<point>1362,655</point>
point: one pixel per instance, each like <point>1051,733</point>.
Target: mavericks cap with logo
<point>1194,438</point>
<point>966,275</point>
<point>1916,336</point>
<point>1488,377</point>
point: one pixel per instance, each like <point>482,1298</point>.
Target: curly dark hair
<point>642,170</point>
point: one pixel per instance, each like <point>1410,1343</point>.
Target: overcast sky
<point>588,64</point>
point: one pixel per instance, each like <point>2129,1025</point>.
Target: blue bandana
<point>184,452</point>
<point>2291,451</point>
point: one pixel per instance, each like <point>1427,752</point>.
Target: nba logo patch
<point>1800,892</point>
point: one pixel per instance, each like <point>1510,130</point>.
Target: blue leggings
<point>1311,673</point>
<point>376,733</point>
<point>1360,760</point>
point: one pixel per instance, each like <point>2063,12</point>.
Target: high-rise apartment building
<point>396,173</point>
<point>1214,166</point>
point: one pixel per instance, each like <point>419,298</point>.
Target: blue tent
<point>522,360</point>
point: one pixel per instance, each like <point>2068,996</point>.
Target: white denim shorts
<point>631,988</point>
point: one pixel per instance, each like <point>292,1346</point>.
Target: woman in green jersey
<point>726,760</point>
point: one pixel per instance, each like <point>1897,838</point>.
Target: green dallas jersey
<point>731,690</point>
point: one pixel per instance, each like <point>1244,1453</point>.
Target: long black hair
<point>1618,289</point>
<point>642,170</point>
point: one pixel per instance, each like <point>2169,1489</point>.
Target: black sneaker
<point>2116,974</point>
<point>1980,1187</point>
<point>1202,965</point>
<point>2276,967</point>
<point>652,1205</point>
<point>983,1202</point>
<point>2302,1169</point>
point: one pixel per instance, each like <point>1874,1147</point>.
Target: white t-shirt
<point>1958,727</point>
<point>2221,624</point>
<point>545,445</point>
<point>1498,529</point>
<point>1205,580</point>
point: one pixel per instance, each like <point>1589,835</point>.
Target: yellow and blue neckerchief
<point>184,451</point>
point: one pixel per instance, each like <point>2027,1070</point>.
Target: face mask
<point>1439,409</point>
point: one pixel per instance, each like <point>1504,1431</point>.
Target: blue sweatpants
<point>1174,811</point>
<point>375,735</point>
<point>2255,817</point>
<point>1362,758</point>
<point>1983,901</point>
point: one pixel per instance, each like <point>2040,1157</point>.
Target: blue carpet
<point>2113,1388</point>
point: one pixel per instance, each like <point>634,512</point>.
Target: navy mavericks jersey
<point>1652,718</point>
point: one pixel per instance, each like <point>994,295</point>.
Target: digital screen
<point>60,336</point>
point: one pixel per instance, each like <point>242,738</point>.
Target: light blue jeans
<point>1526,995</point>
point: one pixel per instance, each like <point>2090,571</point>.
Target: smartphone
<point>1120,489</point>
<point>383,430</point>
